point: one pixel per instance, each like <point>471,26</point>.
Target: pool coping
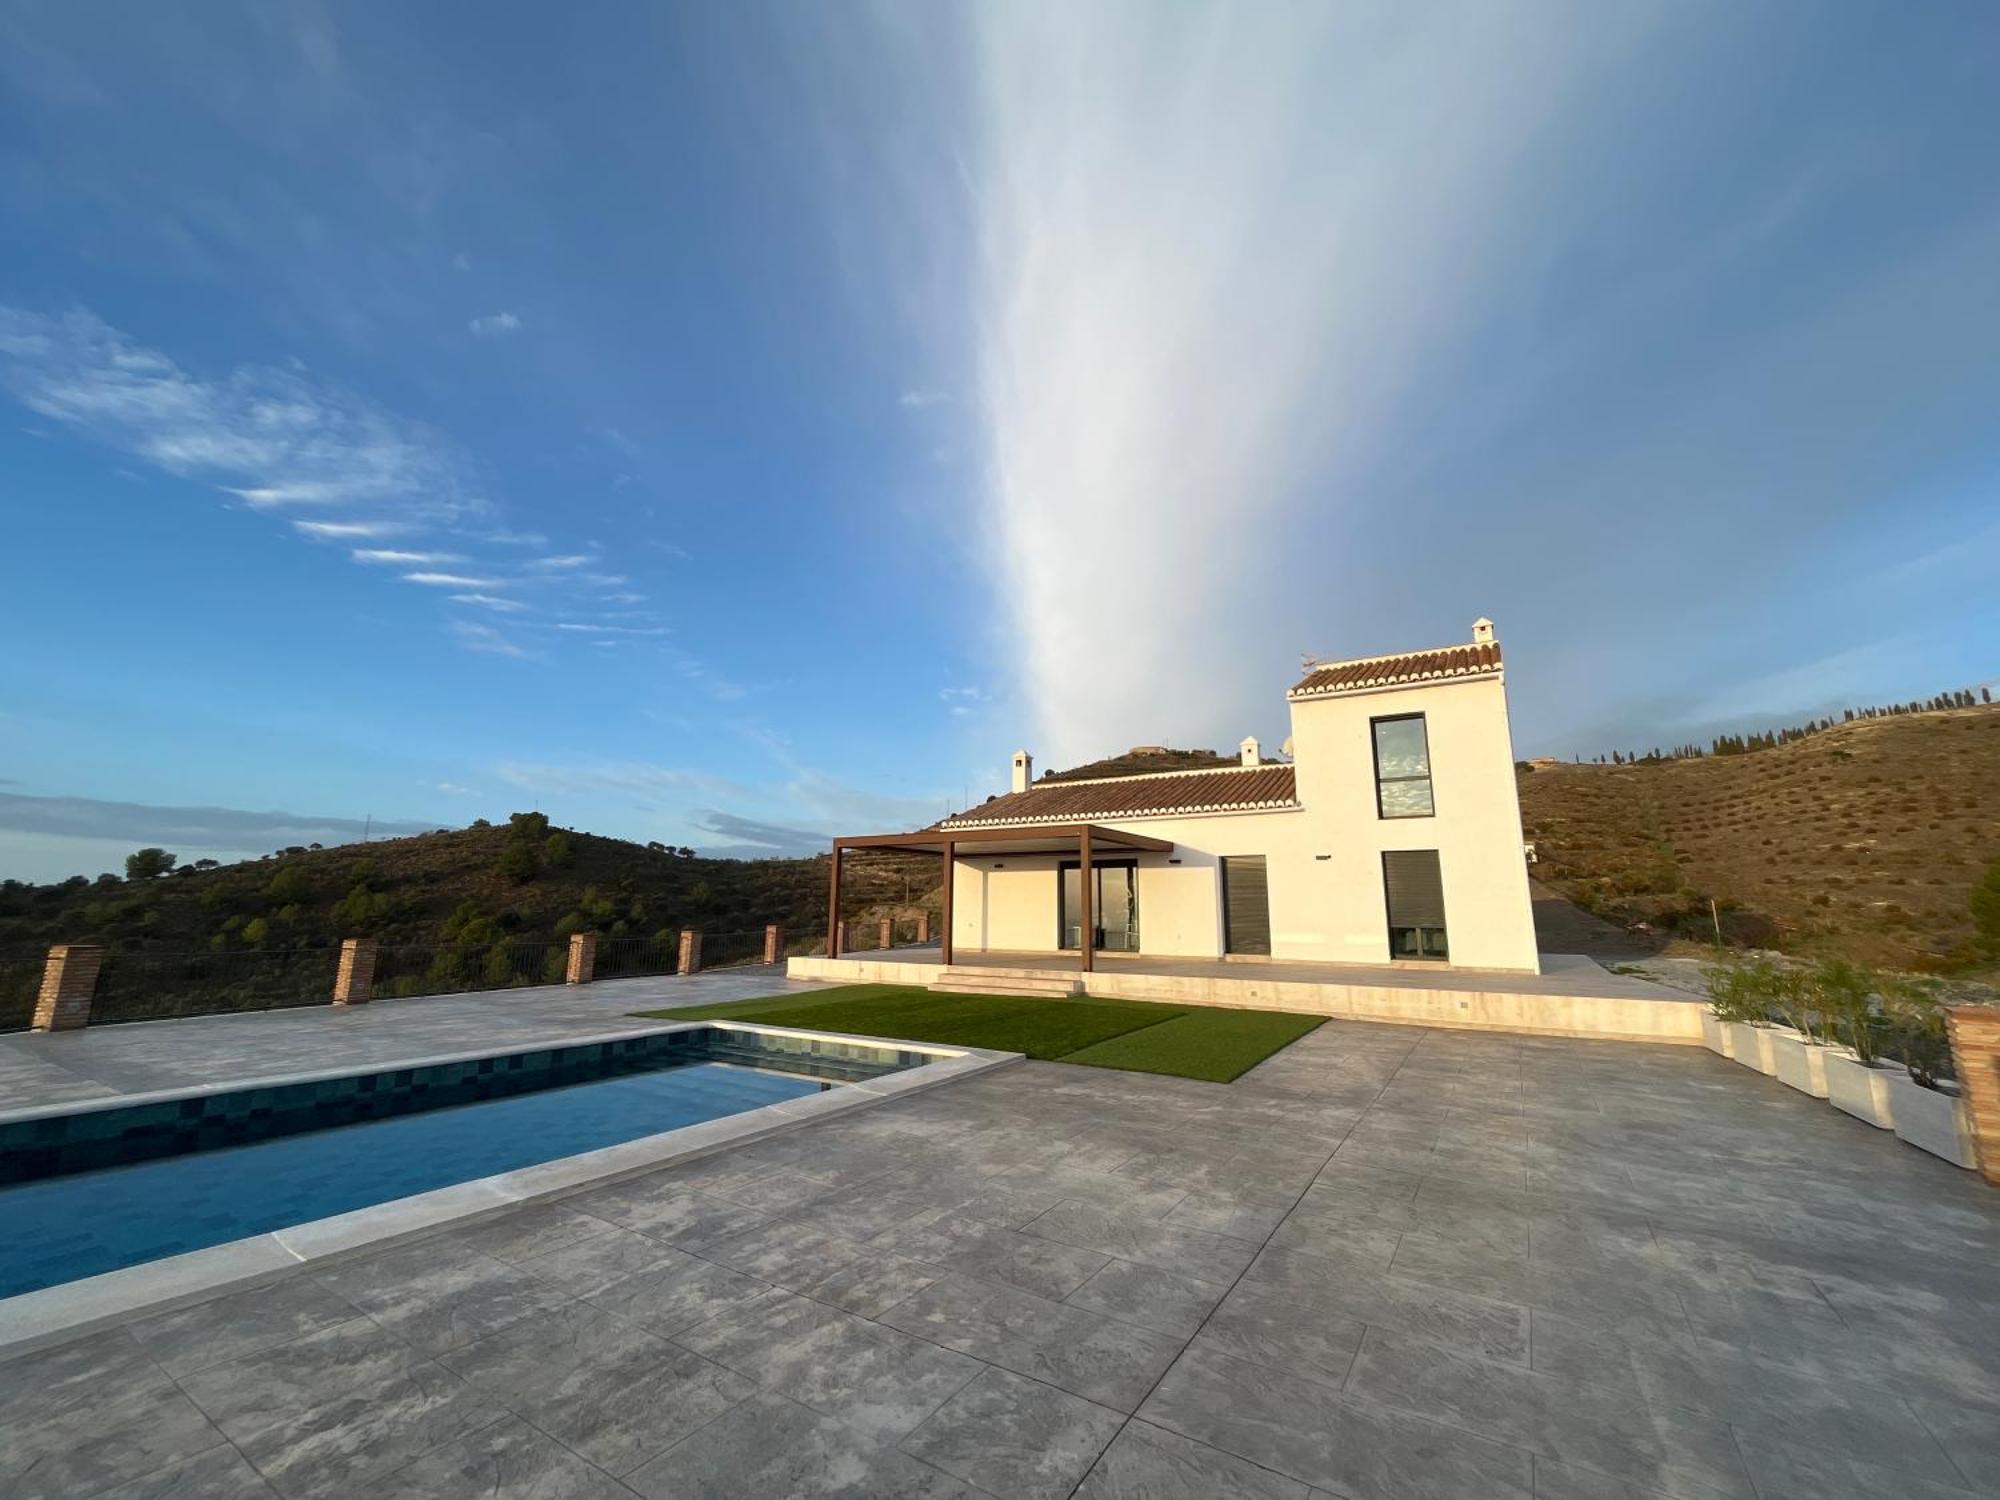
<point>34,1320</point>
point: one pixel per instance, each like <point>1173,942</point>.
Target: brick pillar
<point>690,951</point>
<point>839,939</point>
<point>923,928</point>
<point>582,958</point>
<point>774,944</point>
<point>1975,1053</point>
<point>356,975</point>
<point>886,930</point>
<point>69,979</point>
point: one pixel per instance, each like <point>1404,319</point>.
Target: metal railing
<point>149,986</point>
<point>634,957</point>
<point>456,968</point>
<point>20,983</point>
<point>142,985</point>
<point>733,950</point>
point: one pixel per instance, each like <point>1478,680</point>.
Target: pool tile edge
<point>54,1315</point>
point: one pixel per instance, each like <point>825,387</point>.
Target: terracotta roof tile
<point>1136,796</point>
<point>1473,660</point>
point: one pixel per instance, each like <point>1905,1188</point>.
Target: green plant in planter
<point>1739,992</point>
<point>1915,1018</point>
<point>1843,995</point>
<point>1793,997</point>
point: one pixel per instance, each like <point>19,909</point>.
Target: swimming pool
<point>96,1190</point>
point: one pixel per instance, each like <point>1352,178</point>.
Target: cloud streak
<point>274,437</point>
<point>183,828</point>
<point>1213,248</point>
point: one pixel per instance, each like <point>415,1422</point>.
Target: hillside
<point>1864,840</point>
<point>478,883</point>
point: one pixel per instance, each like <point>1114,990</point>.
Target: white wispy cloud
<point>389,555</point>
<point>273,436</point>
<point>918,398</point>
<point>571,560</point>
<point>1211,255</point>
<point>632,777</point>
<point>493,323</point>
<point>490,601</point>
<point>344,531</point>
<point>476,637</point>
<point>454,581</point>
<point>582,629</point>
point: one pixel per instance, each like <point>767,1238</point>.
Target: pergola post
<point>1084,884</point>
<point>833,906</point>
<point>944,916</point>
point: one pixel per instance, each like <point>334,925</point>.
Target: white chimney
<point>1251,754</point>
<point>1024,770</point>
<point>1482,631</point>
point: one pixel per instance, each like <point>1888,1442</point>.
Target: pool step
<point>957,981</point>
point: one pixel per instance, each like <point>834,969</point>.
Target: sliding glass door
<point>1114,905</point>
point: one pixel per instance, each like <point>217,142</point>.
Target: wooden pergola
<point>1081,839</point>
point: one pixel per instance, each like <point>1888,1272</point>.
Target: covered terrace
<point>1083,840</point>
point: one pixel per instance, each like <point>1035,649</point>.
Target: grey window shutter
<point>1246,905</point>
<point>1416,890</point>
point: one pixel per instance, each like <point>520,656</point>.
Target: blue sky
<point>735,424</point>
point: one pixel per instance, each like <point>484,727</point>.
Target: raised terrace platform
<point>1573,996</point>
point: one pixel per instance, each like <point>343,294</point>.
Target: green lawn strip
<point>1042,1029</point>
<point>1139,1036</point>
<point>1204,1042</point>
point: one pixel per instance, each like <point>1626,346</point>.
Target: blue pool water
<point>60,1228</point>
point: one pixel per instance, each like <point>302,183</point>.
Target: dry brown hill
<point>1865,839</point>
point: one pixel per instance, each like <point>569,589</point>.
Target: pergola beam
<point>1088,937</point>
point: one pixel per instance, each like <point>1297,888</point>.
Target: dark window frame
<point>1423,933</point>
<point>1063,866</point>
<point>1222,891</point>
<point>1428,778</point>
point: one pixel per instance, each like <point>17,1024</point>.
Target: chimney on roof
<point>1252,756</point>
<point>1024,770</point>
<point>1482,631</point>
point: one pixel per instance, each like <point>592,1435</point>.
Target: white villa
<point>1391,836</point>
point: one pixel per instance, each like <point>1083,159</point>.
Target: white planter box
<point>1933,1121</point>
<point>1798,1063</point>
<point>1716,1035</point>
<point>1750,1045</point>
<point>1862,1090</point>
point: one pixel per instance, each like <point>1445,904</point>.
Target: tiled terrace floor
<point>61,1067</point>
<point>1387,1263</point>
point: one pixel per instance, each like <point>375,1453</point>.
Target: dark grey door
<point>1415,891</point>
<point>1246,905</point>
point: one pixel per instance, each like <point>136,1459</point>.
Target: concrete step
<point>999,973</point>
<point>999,982</point>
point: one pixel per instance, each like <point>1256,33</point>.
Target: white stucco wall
<point>1324,859</point>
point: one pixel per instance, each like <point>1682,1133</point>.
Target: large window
<point>1246,904</point>
<point>1402,767</point>
<point>1414,890</point>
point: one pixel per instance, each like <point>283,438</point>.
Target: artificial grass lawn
<point>1179,1040</point>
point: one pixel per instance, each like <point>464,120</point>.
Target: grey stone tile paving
<point>509,1460</point>
<point>1145,1462</point>
<point>1386,1262</point>
<point>1015,1437</point>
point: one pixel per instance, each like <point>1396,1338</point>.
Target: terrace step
<point>1041,985</point>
